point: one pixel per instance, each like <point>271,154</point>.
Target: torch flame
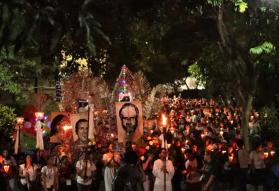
<point>67,127</point>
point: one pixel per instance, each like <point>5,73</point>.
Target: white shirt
<point>243,158</point>
<point>30,171</point>
<point>258,159</point>
<point>50,175</point>
<point>89,172</point>
<point>159,174</point>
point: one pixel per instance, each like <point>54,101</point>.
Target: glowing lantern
<point>39,115</point>
<point>19,120</point>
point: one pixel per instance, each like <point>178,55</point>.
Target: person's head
<point>208,156</point>
<point>134,146</point>
<point>163,154</point>
<point>129,117</point>
<point>50,161</point>
<point>240,143</point>
<point>131,157</point>
<point>110,147</point>
<point>189,154</point>
<point>269,144</point>
<point>5,153</point>
<point>82,129</point>
<point>28,160</point>
<point>65,161</point>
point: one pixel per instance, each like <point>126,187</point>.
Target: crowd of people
<point>200,148</point>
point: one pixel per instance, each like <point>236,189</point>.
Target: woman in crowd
<point>28,174</point>
<point>210,172</point>
<point>50,176</point>
<point>85,169</point>
<point>111,161</point>
<point>257,158</point>
<point>10,166</point>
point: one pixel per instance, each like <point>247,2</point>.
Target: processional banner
<point>129,121</point>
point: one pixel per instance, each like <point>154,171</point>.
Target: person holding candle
<point>28,174</point>
<point>163,171</point>
<point>9,165</point>
<point>50,176</point>
<point>111,160</point>
<point>244,162</point>
<point>85,169</point>
<point>257,157</point>
<point>192,173</point>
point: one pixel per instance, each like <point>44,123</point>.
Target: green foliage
<point>7,120</point>
<point>240,5</point>
<point>264,48</point>
<point>7,117</point>
<point>215,2</point>
<point>269,121</point>
<point>195,71</point>
<point>46,24</point>
<point>7,83</point>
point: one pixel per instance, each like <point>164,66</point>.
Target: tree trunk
<point>247,107</point>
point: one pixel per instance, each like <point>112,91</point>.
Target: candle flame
<point>6,168</point>
<point>164,120</point>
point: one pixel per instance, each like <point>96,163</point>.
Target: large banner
<point>129,121</point>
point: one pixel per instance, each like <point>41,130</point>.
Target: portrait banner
<point>74,119</point>
<point>129,121</point>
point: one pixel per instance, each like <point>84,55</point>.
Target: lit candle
<point>202,135</point>
<point>6,168</point>
<point>164,120</point>
<point>231,158</point>
<point>221,132</point>
<point>169,145</point>
<point>265,154</point>
<point>272,153</point>
<point>39,115</point>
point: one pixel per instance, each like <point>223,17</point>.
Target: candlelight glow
<point>169,145</point>
<point>164,120</point>
<point>6,168</point>
<point>67,127</point>
<point>19,120</point>
<point>265,154</point>
<point>39,115</point>
<point>272,153</point>
<point>231,158</point>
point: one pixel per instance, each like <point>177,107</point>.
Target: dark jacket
<point>128,178</point>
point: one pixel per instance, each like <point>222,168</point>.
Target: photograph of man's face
<point>129,117</point>
<point>82,130</point>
